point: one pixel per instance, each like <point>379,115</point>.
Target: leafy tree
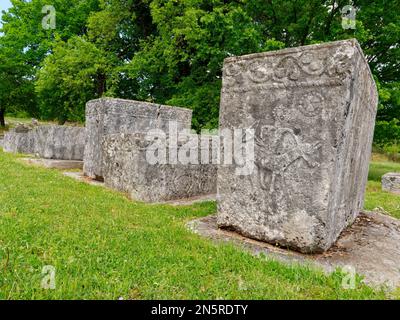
<point>381,20</point>
<point>15,89</point>
<point>25,43</point>
<point>171,51</point>
<point>74,73</point>
<point>181,63</point>
<point>118,29</point>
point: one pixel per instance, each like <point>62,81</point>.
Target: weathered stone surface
<point>78,175</point>
<point>54,164</point>
<point>59,142</point>
<point>313,110</point>
<point>127,169</point>
<point>19,140</point>
<point>391,182</point>
<point>110,116</point>
<point>49,142</point>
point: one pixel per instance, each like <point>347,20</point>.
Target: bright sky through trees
<point>4,5</point>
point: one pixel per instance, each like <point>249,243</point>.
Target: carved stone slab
<point>49,142</point>
<point>313,110</point>
<point>127,169</point>
<point>391,182</point>
<point>18,142</point>
<point>59,142</point>
<point>110,116</point>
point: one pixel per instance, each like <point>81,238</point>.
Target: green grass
<point>104,246</point>
<point>378,169</point>
<point>375,198</point>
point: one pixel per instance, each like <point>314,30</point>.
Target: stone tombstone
<point>391,182</point>
<point>59,142</point>
<point>19,140</point>
<point>127,168</point>
<point>110,116</point>
<point>48,142</point>
<point>312,110</point>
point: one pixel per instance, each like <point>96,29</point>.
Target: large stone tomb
<point>313,110</point>
<point>48,142</point>
<point>128,167</point>
<point>110,116</point>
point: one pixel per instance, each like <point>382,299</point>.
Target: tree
<point>25,43</point>
<point>297,22</point>
<point>381,20</point>
<point>74,73</point>
<point>170,51</point>
<point>15,89</point>
<point>118,29</point>
<point>181,62</point>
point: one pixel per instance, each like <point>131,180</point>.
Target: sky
<point>4,5</point>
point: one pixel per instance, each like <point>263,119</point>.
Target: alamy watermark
<point>48,278</point>
<point>349,277</point>
<point>224,147</point>
<point>49,20</point>
<point>348,17</point>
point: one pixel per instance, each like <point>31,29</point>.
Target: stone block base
<point>391,183</point>
<point>55,164</point>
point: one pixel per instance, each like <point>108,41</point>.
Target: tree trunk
<point>2,121</point>
<point>101,84</point>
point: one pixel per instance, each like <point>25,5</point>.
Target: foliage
<point>387,132</point>
<point>170,51</point>
<point>375,198</point>
<point>75,73</point>
<point>15,90</point>
<point>25,44</point>
<point>182,63</point>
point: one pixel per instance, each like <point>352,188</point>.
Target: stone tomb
<point>128,168</point>
<point>111,116</point>
<point>48,142</point>
<point>391,182</point>
<point>17,140</point>
<point>312,109</point>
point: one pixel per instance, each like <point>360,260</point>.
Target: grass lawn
<point>375,198</point>
<point>104,246</point>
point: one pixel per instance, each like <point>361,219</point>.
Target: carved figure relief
<point>278,148</point>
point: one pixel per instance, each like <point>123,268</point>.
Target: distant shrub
<point>387,139</point>
<point>387,133</point>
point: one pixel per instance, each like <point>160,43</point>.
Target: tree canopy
<point>171,51</point>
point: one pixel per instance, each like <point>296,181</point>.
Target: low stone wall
<point>110,116</point>
<point>49,142</point>
<point>127,169</point>
<point>391,182</point>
